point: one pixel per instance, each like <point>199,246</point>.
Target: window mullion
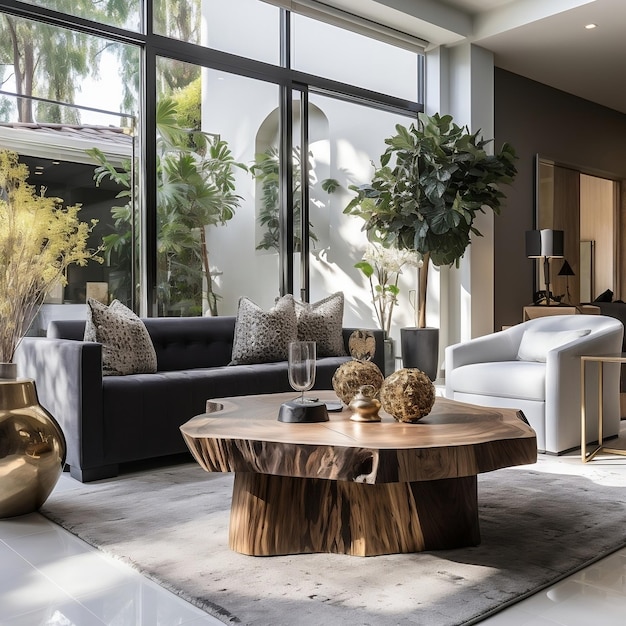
<point>305,195</point>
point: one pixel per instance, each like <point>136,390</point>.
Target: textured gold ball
<point>408,395</point>
<point>352,375</point>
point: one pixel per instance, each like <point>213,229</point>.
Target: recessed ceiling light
<point>590,26</point>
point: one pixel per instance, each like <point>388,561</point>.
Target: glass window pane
<point>341,156</point>
<point>247,28</point>
<point>124,14</point>
<point>65,66</point>
<point>338,54</point>
<point>73,147</point>
<point>63,160</point>
<point>207,256</point>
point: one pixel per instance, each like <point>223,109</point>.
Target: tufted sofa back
<point>191,342</point>
<point>180,342</point>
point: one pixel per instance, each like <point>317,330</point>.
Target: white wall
<point>460,83</point>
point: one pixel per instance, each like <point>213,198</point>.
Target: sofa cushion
<point>126,344</point>
<point>525,380</point>
<point>322,322</point>
<point>264,336</point>
<point>536,344</point>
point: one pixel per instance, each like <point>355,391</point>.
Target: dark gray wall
<point>537,119</point>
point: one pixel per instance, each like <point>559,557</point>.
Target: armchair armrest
<point>68,378</point>
<point>500,346</point>
<point>563,380</point>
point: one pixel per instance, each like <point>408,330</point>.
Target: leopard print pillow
<point>126,344</point>
<point>264,336</point>
<point>322,322</point>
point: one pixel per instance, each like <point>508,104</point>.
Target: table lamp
<point>547,244</point>
<point>567,271</point>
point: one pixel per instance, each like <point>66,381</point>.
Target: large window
<point>341,152</point>
<point>247,28</point>
<point>71,128</point>
<point>125,14</point>
<point>206,136</point>
<point>241,137</point>
<point>332,52</point>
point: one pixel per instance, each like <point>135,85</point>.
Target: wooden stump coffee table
<point>351,487</point>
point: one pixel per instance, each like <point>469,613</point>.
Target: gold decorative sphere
<point>407,394</point>
<point>352,375</point>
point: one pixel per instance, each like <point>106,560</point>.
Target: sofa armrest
<point>68,379</point>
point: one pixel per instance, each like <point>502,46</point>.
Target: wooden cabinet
<point>532,312</point>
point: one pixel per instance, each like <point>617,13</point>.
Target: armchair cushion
<point>536,344</point>
<point>507,379</point>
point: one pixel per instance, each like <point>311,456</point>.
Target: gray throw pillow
<point>126,344</point>
<point>263,336</point>
<point>322,322</point>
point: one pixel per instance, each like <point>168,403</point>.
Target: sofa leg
<point>94,473</point>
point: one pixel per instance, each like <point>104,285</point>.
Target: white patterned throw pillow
<point>263,336</point>
<point>322,322</point>
<point>126,344</point>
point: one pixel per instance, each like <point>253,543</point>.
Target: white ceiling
<point>544,40</point>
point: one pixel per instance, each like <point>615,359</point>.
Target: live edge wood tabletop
<point>352,487</point>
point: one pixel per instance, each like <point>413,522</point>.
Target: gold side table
<point>600,360</point>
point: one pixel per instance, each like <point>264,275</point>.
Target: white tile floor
<point>50,577</point>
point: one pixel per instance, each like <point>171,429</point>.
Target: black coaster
<point>303,413</point>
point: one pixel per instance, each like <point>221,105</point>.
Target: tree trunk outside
<point>422,290</point>
<point>212,300</point>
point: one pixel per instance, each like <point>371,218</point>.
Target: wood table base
<point>273,515</point>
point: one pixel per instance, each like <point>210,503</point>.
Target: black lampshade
<point>566,270</point>
<point>544,243</point>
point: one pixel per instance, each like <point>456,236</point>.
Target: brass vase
<point>32,447</point>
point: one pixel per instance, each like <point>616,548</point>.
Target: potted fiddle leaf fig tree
<point>433,180</point>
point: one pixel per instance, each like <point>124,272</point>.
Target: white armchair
<point>535,367</point>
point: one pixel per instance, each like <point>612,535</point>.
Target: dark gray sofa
<point>110,420</point>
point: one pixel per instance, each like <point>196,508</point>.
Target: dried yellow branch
<point>39,239</point>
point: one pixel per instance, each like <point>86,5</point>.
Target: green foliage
<point>117,245</point>
<point>188,104</point>
<point>49,61</point>
<point>196,188</point>
<point>266,170</point>
<point>432,182</point>
<point>382,268</point>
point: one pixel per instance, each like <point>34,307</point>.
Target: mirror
<point>585,207</point>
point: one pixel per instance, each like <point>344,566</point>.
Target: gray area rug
<point>538,524</point>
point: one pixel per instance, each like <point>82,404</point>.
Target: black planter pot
<point>420,349</point>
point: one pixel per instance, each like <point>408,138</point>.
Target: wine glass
<point>301,366</point>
